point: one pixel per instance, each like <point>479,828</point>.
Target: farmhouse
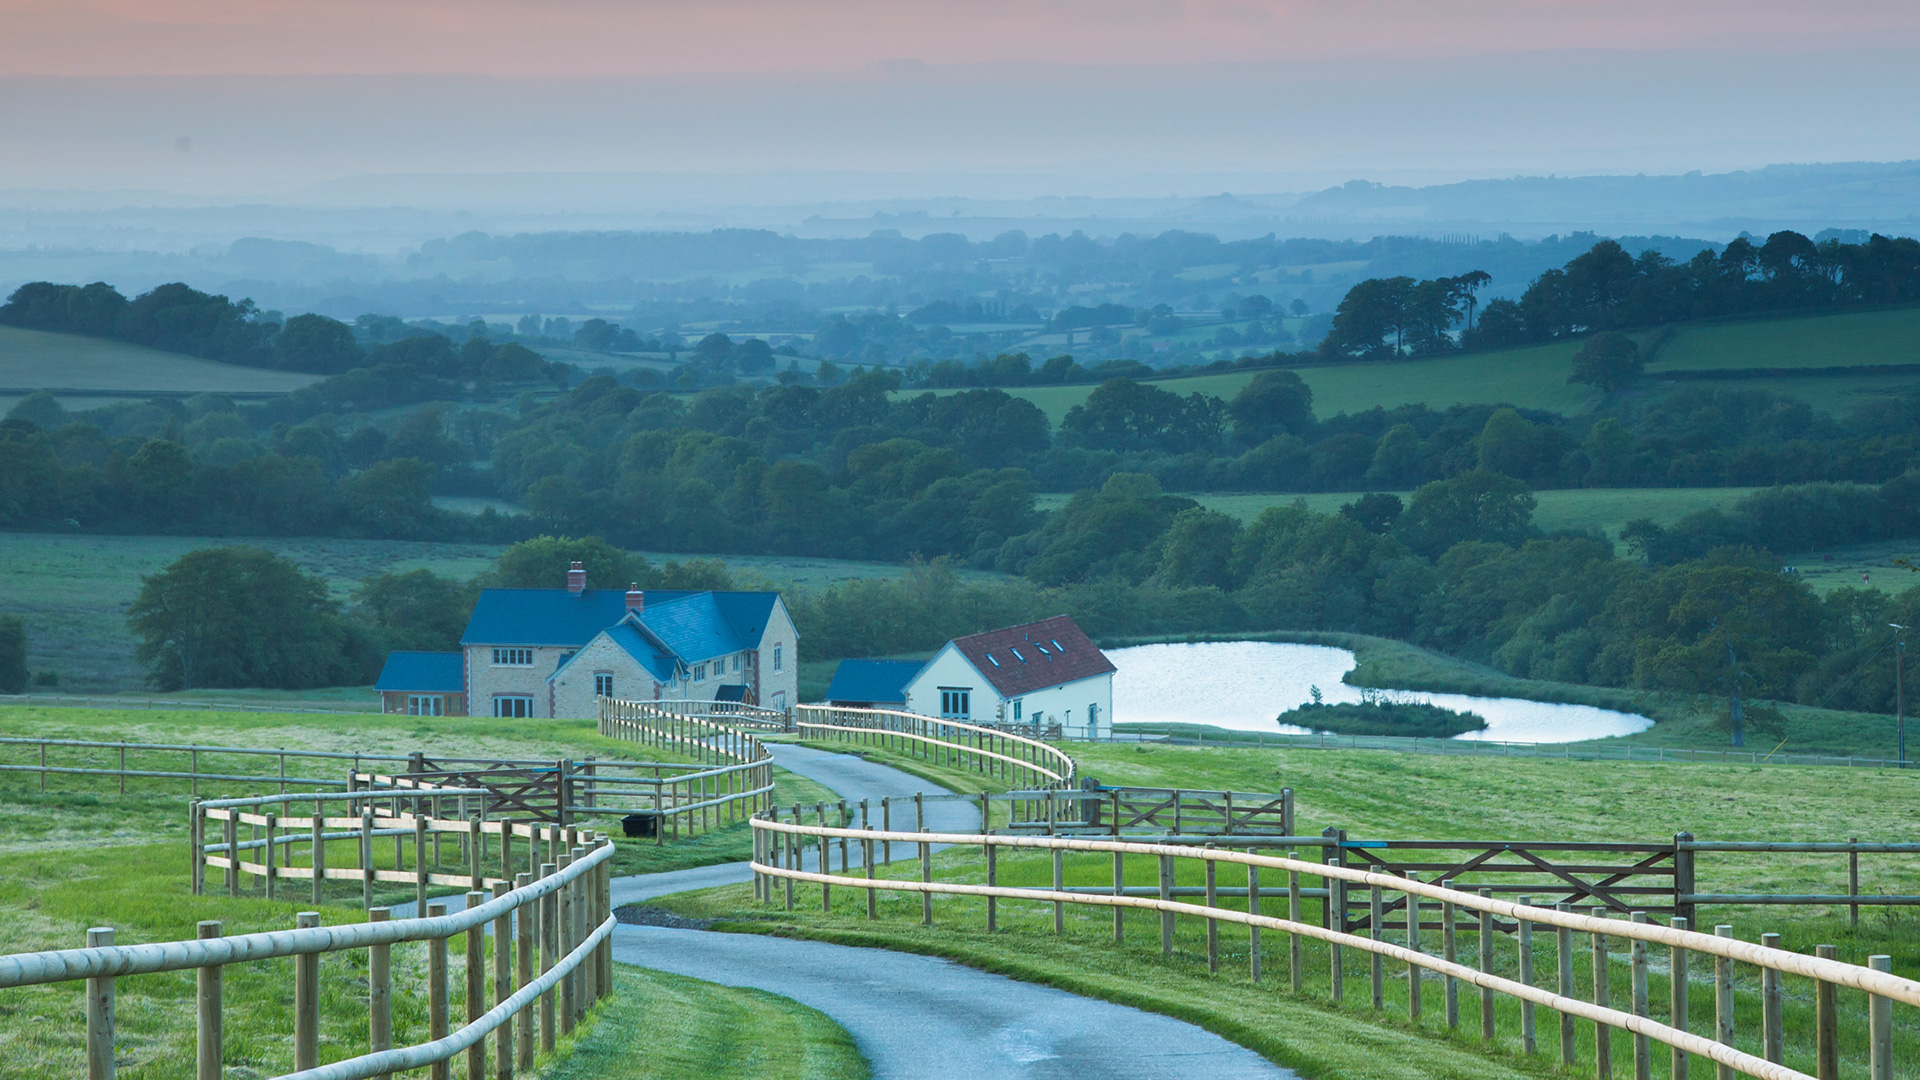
<point>552,652</point>
<point>1041,673</point>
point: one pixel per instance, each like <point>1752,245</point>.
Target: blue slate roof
<point>873,680</point>
<point>696,625</point>
<point>423,673</point>
<point>656,663</point>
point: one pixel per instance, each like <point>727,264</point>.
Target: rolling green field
<point>1606,509</point>
<point>36,360</point>
<point>1403,796</point>
<point>1536,376</point>
<point>73,590</point>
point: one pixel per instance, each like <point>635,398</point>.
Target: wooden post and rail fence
<point>564,904</point>
<point>1017,759</point>
<point>738,773</point>
<point>776,863</point>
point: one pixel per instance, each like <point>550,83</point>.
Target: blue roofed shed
<point>882,684</point>
<point>423,684</point>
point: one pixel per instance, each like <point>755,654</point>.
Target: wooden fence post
<point>523,919</point>
<point>1059,885</point>
<point>437,992</point>
<point>318,829</point>
<point>1166,917</point>
<point>1880,1026</point>
<point>273,825</point>
<point>1528,1042</point>
<point>1683,877</point>
<point>196,837</point>
<point>567,942</point>
<point>1826,1022</point>
<point>1413,945</point>
<point>1449,950</point>
<point>306,1000</point>
<point>208,1056</point>
<point>100,1064</point>
<point>476,980</point>
<point>1602,996</point>
<point>993,879</point>
<point>1723,1000</point>
<point>379,989</point>
<point>231,834</point>
<point>419,860</point>
<point>366,857</point>
<point>549,943</point>
<point>1119,889</point>
<point>1772,1005</point>
<point>1677,996</point>
<point>1642,1046</point>
<point>1213,924</point>
<point>1853,880</point>
<point>926,876</point>
<point>1563,949</point>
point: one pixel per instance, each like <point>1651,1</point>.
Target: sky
<point>285,98</point>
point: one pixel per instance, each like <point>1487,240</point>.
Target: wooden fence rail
<point>774,860</point>
<point>1021,761</point>
<point>564,903</point>
<point>736,782</point>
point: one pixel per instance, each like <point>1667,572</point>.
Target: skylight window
<point>1016,654</point>
<point>991,660</point>
<point>1056,646</point>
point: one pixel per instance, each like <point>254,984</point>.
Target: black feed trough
<point>640,825</point>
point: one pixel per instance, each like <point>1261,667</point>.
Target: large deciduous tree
<point>243,617</point>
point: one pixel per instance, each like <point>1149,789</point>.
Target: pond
<point>1244,685</point>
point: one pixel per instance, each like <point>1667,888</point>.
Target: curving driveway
<point>917,1016</point>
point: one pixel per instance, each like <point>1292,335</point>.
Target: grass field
<point>1399,796</point>
<point>86,855</point>
<point>1580,509</point>
<point>37,360</point>
<point>1536,376</point>
<point>73,590</point>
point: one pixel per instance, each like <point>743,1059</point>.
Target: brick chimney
<point>577,579</point>
<point>636,598</point>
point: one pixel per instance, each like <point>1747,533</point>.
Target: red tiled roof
<point>1021,659</point>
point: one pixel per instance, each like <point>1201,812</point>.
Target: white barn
<point>1038,674</point>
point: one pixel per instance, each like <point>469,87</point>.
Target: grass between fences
<point>91,856</point>
<point>1387,795</point>
<point>668,1027</point>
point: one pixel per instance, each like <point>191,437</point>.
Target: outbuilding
<point>1034,675</point>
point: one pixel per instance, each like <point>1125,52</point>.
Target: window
<point>992,661</point>
<point>699,673</point>
<point>776,657</point>
<point>1016,654</point>
<point>425,705</point>
<point>736,663</point>
<point>780,700</point>
<point>1016,712</point>
<point>514,706</point>
<point>603,684</point>
<point>1057,648</point>
<point>513,657</point>
<point>1093,718</point>
<point>954,704</point>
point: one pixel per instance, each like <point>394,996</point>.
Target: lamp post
<point>1900,690</point>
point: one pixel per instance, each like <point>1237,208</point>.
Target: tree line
<point>1608,289</point>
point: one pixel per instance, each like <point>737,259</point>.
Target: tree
<point>713,350</point>
<point>753,356</point>
<point>543,562</point>
<point>418,610</point>
<point>1476,505</point>
<point>1465,291</point>
<point>1376,511</point>
<point>317,344</point>
<point>1609,360</point>
<point>1275,402</point>
<point>391,499</point>
<point>1369,312</point>
<point>1198,549</point>
<point>13,655</point>
<point>243,616</point>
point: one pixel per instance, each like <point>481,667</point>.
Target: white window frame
<point>1016,710</point>
<point>780,700</point>
<point>699,673</point>
<point>426,704</point>
<point>508,714</point>
<point>956,702</point>
<point>603,684</point>
<point>512,657</point>
<point>777,657</point>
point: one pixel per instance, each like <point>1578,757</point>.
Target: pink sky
<point>566,38</point>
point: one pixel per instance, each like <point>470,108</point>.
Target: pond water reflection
<point>1244,685</point>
